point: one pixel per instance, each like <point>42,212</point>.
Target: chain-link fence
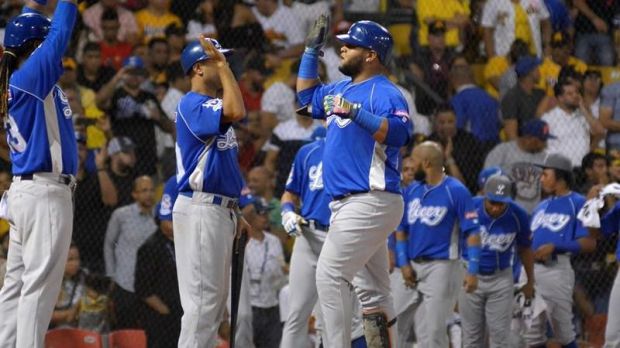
<point>470,72</point>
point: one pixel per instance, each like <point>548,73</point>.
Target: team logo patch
<point>213,104</point>
<point>316,177</point>
<point>403,114</point>
<point>340,122</point>
<point>166,205</point>
<point>554,222</point>
<point>227,141</point>
<point>431,215</point>
<point>471,215</point>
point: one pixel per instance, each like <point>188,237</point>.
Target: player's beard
<point>419,175</point>
<point>353,67</point>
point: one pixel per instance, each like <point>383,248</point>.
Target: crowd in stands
<point>496,82</point>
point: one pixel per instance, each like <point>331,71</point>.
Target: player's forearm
<point>233,108</point>
<point>288,199</point>
<point>390,131</point>
<point>37,6</point>
<point>588,244</point>
<point>474,250</point>
<point>489,42</point>
<point>156,304</point>
<point>401,249</point>
<point>510,128</point>
<point>526,255</point>
<point>307,76</point>
<point>606,117</point>
<point>109,194</point>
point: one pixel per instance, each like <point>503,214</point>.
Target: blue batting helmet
<point>194,53</point>
<point>24,27</point>
<point>371,35</point>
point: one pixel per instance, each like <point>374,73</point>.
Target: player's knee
<point>376,330</point>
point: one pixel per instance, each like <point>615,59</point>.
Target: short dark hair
<point>98,282</point>
<point>443,108</point>
<point>588,160</point>
<point>154,41</point>
<point>565,176</point>
<point>90,47</point>
<point>558,89</point>
<point>109,15</point>
<point>174,72</point>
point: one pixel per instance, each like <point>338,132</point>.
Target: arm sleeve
<point>610,221</point>
<point>203,120</point>
<point>295,176</point>
<point>111,237</point>
<point>146,272</point>
<point>396,110</point>
<point>524,233</point>
<point>40,72</point>
<point>466,211</point>
<point>404,221</point>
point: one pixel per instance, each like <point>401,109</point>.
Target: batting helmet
<point>194,53</point>
<point>371,35</point>
<point>24,27</point>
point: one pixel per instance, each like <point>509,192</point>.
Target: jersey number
<point>16,141</point>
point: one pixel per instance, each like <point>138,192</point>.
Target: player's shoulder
<point>192,100</point>
<point>478,201</point>
<point>453,185</point>
<point>413,188</point>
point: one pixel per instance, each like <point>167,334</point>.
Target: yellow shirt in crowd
<point>495,67</point>
<point>151,26</point>
<point>549,71</point>
<point>522,27</point>
<point>440,10</point>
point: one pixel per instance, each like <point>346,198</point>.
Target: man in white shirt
<point>179,85</point>
<point>572,124</point>
<point>264,262</point>
<point>281,27</point>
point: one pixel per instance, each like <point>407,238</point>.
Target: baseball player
<point>43,150</point>
<point>305,187</point>
<point>557,234</point>
<point>506,225</point>
<point>209,182</point>
<point>367,122</point>
<point>439,213</point>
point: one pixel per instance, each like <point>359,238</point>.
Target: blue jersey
<point>206,149</point>
<point>500,235</point>
<point>353,161</point>
<point>169,196</point>
<point>555,220</point>
<point>39,126</point>
<point>306,181</point>
<point>437,217</point>
<point>610,224</point>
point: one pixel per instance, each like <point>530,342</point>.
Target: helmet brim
<point>346,38</point>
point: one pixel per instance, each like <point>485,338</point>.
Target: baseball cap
<point>485,174</point>
<point>69,63</point>
<point>169,196</point>
<point>120,144</point>
<point>526,64</point>
<point>133,62</point>
<point>560,39</point>
<point>437,28</point>
<point>557,161</point>
<point>498,189</point>
<point>536,128</point>
<point>260,204</point>
<point>319,133</point>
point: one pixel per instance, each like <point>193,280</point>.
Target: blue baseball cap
<point>537,128</point>
<point>260,204</point>
<point>319,133</point>
<point>133,62</point>
<point>171,191</point>
<point>526,64</point>
<point>485,174</point>
<point>498,189</point>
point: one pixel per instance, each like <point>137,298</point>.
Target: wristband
<point>367,120</point>
<point>473,253</point>
<point>401,253</point>
<point>286,207</point>
<point>309,65</point>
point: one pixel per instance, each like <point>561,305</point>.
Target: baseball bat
<point>236,277</point>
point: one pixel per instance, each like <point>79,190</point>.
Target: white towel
<point>588,214</point>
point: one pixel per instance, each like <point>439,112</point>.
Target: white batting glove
<point>292,223</point>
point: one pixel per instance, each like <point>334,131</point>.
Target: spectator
<point>94,197</point>
<point>504,21</point>
<point>407,173</point>
<point>178,86</point>
<point>154,19</point>
<point>281,27</point>
<point>432,64</point>
<point>261,183</point>
<point>595,167</point>
<point>524,101</point>
<point>135,112</point>
<point>592,86</point>
<point>264,261</point>
<point>252,80</point>
<point>560,16</point>
<point>92,73</point>
<point>593,27</point>
<point>176,43</point>
<point>609,114</point>
<point>237,26</point>
<point>159,54</point>
<point>203,21</point>
<point>122,168</point>
<point>308,11</point>
<point>519,159</point>
<point>286,140</point>
<point>93,19</point>
<point>129,227</point>
<point>560,57</point>
<point>156,281</point>
<point>71,291</point>
<point>95,307</point>
<point>421,122</point>
<point>476,111</point>
<point>113,50</point>
<point>462,152</point>
<point>614,170</point>
<point>497,66</point>
<point>572,124</point>
<point>453,13</point>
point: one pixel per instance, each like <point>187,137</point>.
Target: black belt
<point>62,178</point>
<point>551,261</point>
<point>423,259</point>
<point>339,197</point>
<point>491,272</point>
<point>318,226</point>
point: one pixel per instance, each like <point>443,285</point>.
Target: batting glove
<point>292,223</point>
<point>337,105</point>
<point>318,34</point>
